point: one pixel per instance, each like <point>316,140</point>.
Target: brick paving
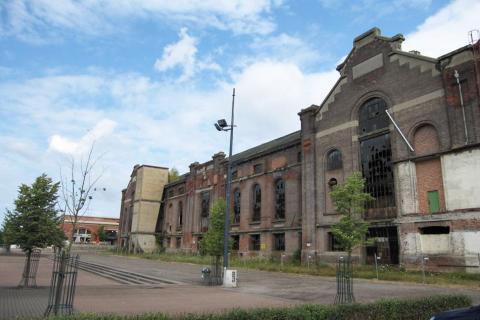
<point>257,289</point>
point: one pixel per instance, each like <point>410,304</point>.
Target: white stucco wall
<point>405,184</point>
<point>461,177</point>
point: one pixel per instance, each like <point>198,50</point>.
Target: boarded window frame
<point>334,160</point>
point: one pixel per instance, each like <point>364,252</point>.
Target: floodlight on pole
<point>222,125</point>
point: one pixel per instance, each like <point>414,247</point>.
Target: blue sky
<point>147,79</point>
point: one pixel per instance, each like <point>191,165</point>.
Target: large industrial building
<point>425,183</point>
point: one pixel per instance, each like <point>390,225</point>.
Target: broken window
<point>181,190</point>
<point>205,196</point>
<point>236,206</point>
<point>235,242</point>
<point>234,174</point>
<point>254,242</point>
<point>279,241</point>
<point>180,214</point>
<point>435,230</point>
<point>205,203</point>
<point>279,199</point>
<point>334,160</point>
<point>333,243</point>
<point>170,193</point>
<point>376,158</point>
<point>257,202</point>
<point>373,116</point>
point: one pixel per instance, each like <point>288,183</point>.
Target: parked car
<point>472,313</point>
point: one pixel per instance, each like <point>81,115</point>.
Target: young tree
<point>173,175</point>
<point>212,242</point>
<point>349,199</point>
<point>77,190</point>
<point>34,222</point>
<point>101,234</point>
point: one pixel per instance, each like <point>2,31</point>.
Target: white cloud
<point>182,54</point>
<point>44,20</point>
<point>71,147</point>
<point>145,121</point>
<point>446,30</point>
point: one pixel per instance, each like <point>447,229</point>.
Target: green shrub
<point>391,309</point>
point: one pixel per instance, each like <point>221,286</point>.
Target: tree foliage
<point>101,234</point>
<point>349,199</point>
<point>34,222</point>
<point>212,243</point>
<point>173,175</point>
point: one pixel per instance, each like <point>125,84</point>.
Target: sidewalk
<point>100,295</point>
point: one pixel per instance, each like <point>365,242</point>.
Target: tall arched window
<point>376,157</point>
<point>257,202</point>
<point>279,199</point>
<point>180,214</point>
<point>334,160</point>
<point>236,206</point>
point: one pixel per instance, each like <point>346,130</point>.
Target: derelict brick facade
<point>425,192</point>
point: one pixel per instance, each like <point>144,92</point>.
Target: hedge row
<point>389,309</point>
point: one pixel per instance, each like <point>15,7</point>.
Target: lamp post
<point>222,125</point>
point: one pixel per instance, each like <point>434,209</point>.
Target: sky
<point>144,80</point>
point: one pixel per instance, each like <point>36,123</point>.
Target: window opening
<point>170,193</point>
<point>205,196</point>
<point>254,242</point>
<point>435,230</point>
<point>236,206</point>
<point>235,242</point>
<point>279,199</point>
<point>373,116</point>
<point>333,243</point>
<point>178,243</point>
<point>257,203</point>
<point>334,160</point>
<point>180,214</point>
<point>234,174</point>
<point>279,241</point>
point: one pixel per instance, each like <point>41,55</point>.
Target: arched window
<point>373,116</point>
<point>334,160</point>
<point>376,158</point>
<point>180,214</point>
<point>236,206</point>
<point>257,202</point>
<point>279,199</point>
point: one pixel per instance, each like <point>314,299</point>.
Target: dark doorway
<point>384,244</point>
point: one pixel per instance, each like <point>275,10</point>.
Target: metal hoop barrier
<point>344,282</point>
<point>63,284</point>
<point>29,275</point>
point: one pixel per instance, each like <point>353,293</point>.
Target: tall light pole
<point>222,125</point>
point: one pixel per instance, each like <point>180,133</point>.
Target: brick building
<point>425,194</point>
<point>86,229</point>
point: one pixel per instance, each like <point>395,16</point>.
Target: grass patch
<point>391,309</point>
<point>389,273</point>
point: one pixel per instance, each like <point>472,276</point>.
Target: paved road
<point>295,288</point>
